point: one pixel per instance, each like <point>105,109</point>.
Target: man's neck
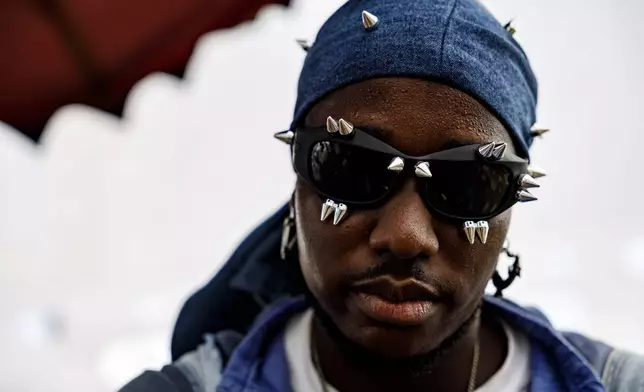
<point>450,372</point>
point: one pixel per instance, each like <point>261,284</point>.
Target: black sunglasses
<point>472,182</point>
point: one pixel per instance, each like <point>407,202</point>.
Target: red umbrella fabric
<point>57,52</point>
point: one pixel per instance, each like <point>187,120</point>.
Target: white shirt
<point>513,376</point>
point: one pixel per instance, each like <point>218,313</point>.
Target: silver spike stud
<point>328,207</point>
<point>332,125</point>
<point>304,44</point>
<point>508,26</point>
<point>526,182</point>
<point>538,132</point>
<point>536,172</point>
<point>345,127</point>
<point>397,165</point>
<point>499,150</point>
<point>285,137</point>
<point>340,214</point>
<point>369,20</point>
<point>486,150</point>
<point>470,231</point>
<point>482,230</point>
<point>422,170</point>
<point>524,196</point>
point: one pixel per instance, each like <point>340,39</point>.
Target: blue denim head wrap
<point>455,42</point>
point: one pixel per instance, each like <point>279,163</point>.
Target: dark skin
<point>416,117</point>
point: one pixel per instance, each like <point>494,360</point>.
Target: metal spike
<point>470,231</point>
<point>536,172</point>
<point>369,20</point>
<point>332,125</point>
<point>526,181</point>
<point>285,136</point>
<point>486,150</point>
<point>340,213</point>
<point>509,28</point>
<point>304,44</point>
<point>397,165</point>
<point>345,127</point>
<point>482,230</point>
<point>539,132</point>
<point>499,150</point>
<point>422,170</point>
<point>328,207</point>
<point>525,196</point>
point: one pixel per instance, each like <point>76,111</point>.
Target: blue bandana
<point>455,42</point>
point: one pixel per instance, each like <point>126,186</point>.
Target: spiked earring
<point>340,214</point>
<point>470,231</point>
<point>397,165</point>
<point>328,208</point>
<point>514,271</point>
<point>369,21</point>
<point>422,170</point>
<point>288,233</point>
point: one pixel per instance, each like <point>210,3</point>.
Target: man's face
<point>400,239</point>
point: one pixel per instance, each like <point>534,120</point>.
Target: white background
<point>109,224</point>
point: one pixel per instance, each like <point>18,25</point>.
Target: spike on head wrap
<point>456,42</point>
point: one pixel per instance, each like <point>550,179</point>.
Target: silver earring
<point>470,231</point>
<point>340,214</point>
<point>345,127</point>
<point>422,170</point>
<point>369,21</point>
<point>288,233</point>
<point>328,207</point>
<point>397,164</point>
<point>482,230</point>
<point>332,125</point>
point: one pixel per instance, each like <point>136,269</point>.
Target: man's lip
<point>397,291</point>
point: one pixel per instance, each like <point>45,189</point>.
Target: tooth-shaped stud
<point>345,127</point>
<point>304,44</point>
<point>525,196</point>
<point>539,132</point>
<point>486,150</point>
<point>526,182</point>
<point>369,20</point>
<point>482,230</point>
<point>509,28</point>
<point>536,172</point>
<point>499,150</point>
<point>422,170</point>
<point>340,214</point>
<point>332,125</point>
<point>397,165</point>
<point>328,207</point>
<point>285,136</point>
<point>470,231</point>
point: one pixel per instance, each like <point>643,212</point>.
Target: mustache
<point>403,269</point>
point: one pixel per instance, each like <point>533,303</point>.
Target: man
<point>410,140</point>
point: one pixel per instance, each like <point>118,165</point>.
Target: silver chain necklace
<point>470,385</point>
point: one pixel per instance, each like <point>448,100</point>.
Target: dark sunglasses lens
<point>350,173</point>
<point>467,189</point>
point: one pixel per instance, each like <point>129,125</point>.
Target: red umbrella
<point>57,52</point>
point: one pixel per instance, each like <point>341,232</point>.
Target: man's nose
<point>405,226</point>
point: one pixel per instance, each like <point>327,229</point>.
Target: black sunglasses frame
<point>306,138</point>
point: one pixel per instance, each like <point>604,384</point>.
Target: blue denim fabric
<point>456,42</point>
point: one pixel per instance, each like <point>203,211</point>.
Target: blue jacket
<point>255,360</point>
